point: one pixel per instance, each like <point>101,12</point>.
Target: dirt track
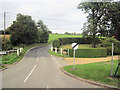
<point>88,60</point>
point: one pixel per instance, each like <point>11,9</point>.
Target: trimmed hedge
<point>64,41</point>
<point>89,53</point>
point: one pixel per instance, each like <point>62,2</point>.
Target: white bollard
<point>51,48</point>
<point>18,52</point>
<point>55,50</point>
<point>61,51</point>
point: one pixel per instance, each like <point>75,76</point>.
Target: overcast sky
<point>59,15</point>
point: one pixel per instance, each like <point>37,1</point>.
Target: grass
<point>83,46</point>
<point>95,72</point>
<point>53,37</point>
<point>57,54</point>
<point>12,57</point>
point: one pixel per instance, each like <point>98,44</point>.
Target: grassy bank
<point>12,57</point>
<point>95,72</point>
<point>56,36</point>
<point>57,54</point>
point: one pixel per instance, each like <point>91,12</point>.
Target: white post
<point>74,60</point>
<point>55,50</point>
<point>18,52</point>
<point>112,59</point>
<point>61,51</point>
<point>68,51</point>
<point>51,48</point>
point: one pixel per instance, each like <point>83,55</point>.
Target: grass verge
<point>12,57</point>
<point>98,72</point>
<point>57,54</point>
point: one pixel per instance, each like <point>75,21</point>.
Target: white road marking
<point>56,62</point>
<point>30,73</point>
<point>47,88</point>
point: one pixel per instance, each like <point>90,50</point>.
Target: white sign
<point>74,46</point>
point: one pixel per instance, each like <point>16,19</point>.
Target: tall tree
<point>103,17</point>
<point>23,30</point>
<point>43,28</point>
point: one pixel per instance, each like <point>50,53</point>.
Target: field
<point>7,36</point>
<point>56,36</point>
<point>98,72</point>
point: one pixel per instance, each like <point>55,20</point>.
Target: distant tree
<point>23,30</point>
<point>67,33</point>
<point>50,32</point>
<point>44,31</point>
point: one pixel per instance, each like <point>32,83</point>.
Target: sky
<point>59,15</point>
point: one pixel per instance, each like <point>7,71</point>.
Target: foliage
<point>86,53</point>
<point>117,35</point>
<point>103,18</point>
<point>56,43</point>
<point>86,40</point>
<point>44,35</point>
<point>107,43</point>
<point>23,30</point>
<point>6,44</point>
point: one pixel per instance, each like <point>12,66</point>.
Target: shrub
<point>107,43</point>
<point>56,43</point>
<point>89,53</point>
<point>86,40</point>
<point>6,44</point>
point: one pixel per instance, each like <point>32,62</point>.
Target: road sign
<point>74,46</point>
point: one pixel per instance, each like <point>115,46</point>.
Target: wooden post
<point>18,52</point>
<point>55,50</point>
<point>61,51</point>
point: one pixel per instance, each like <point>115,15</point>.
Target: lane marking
<point>56,61</point>
<point>47,88</point>
<point>30,73</point>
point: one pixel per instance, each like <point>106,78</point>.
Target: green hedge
<point>64,41</point>
<point>89,53</point>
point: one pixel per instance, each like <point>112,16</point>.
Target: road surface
<point>39,69</point>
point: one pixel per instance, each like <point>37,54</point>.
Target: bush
<point>89,53</point>
<point>86,40</point>
<point>56,43</point>
<point>107,43</point>
<point>6,44</point>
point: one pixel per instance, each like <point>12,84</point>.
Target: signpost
<point>74,47</point>
<point>112,60</point>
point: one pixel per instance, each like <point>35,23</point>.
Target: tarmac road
<point>39,69</point>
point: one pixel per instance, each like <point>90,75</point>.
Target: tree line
<point>103,19</point>
<point>24,30</point>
